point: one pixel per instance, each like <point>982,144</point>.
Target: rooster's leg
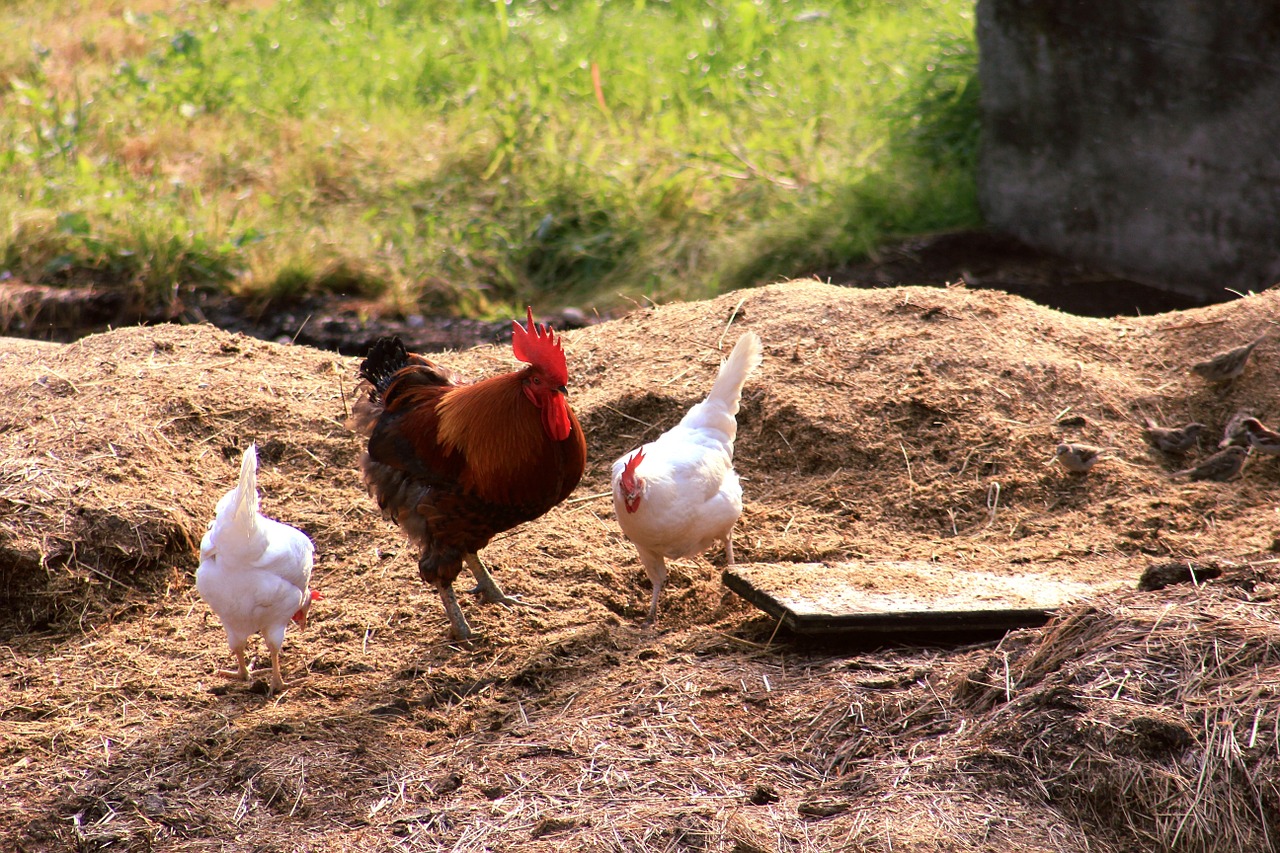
<point>461,630</point>
<point>728,547</point>
<point>488,588</point>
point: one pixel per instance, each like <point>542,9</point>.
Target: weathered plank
<point>898,598</point>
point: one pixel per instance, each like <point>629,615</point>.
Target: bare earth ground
<point>900,423</point>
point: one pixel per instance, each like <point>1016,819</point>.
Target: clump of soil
<point>899,423</point>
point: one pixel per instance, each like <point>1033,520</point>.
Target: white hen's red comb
<point>629,469</point>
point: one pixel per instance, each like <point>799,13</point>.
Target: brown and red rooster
<point>455,463</point>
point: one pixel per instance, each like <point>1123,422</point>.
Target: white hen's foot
<point>278,683</point>
<point>241,673</point>
<point>272,673</point>
<point>655,568</point>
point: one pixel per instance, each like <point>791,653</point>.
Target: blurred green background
<point>471,157</point>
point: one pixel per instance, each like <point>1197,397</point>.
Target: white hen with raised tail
<point>255,573</point>
<point>679,494</point>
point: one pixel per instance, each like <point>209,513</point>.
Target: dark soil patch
<point>990,261</point>
<point>978,259</point>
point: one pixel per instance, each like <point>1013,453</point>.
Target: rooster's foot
<point>509,600</point>
<point>489,591</point>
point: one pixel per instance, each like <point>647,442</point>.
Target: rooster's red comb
<point>538,345</point>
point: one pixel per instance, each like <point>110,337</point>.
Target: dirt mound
<point>907,423</point>
<point>116,447</point>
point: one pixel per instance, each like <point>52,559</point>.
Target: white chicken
<point>255,573</point>
<point>677,495</point>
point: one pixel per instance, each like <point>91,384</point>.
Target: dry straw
<point>882,424</point>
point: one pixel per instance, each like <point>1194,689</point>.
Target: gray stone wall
<point>1141,135</point>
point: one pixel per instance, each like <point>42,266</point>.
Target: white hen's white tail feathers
<point>247,487</point>
<point>237,530</point>
<point>719,410</point>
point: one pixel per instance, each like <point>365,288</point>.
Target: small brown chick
<point>1172,440</point>
<point>1233,432</point>
<point>1221,466</point>
<point>1225,366</point>
<point>1261,439</point>
<point>1078,458</point>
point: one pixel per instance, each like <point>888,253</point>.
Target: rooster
<point>255,573</point>
<point>678,494</point>
<point>454,464</point>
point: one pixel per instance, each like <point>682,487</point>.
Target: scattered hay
<point>1152,716</point>
<point>904,424</point>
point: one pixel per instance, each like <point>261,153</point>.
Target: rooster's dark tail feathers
<point>386,357</point>
<point>385,365</point>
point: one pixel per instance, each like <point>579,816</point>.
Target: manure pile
<point>898,424</point>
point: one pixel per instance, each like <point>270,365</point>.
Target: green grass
<point>455,156</point>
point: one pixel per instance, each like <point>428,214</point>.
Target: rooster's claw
<point>495,595</point>
<point>488,590</point>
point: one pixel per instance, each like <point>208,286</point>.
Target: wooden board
<point>899,598</point>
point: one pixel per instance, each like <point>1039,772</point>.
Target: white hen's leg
<point>241,673</point>
<point>277,679</point>
<point>488,588</point>
<point>727,594</point>
<point>653,604</point>
<point>656,568</point>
